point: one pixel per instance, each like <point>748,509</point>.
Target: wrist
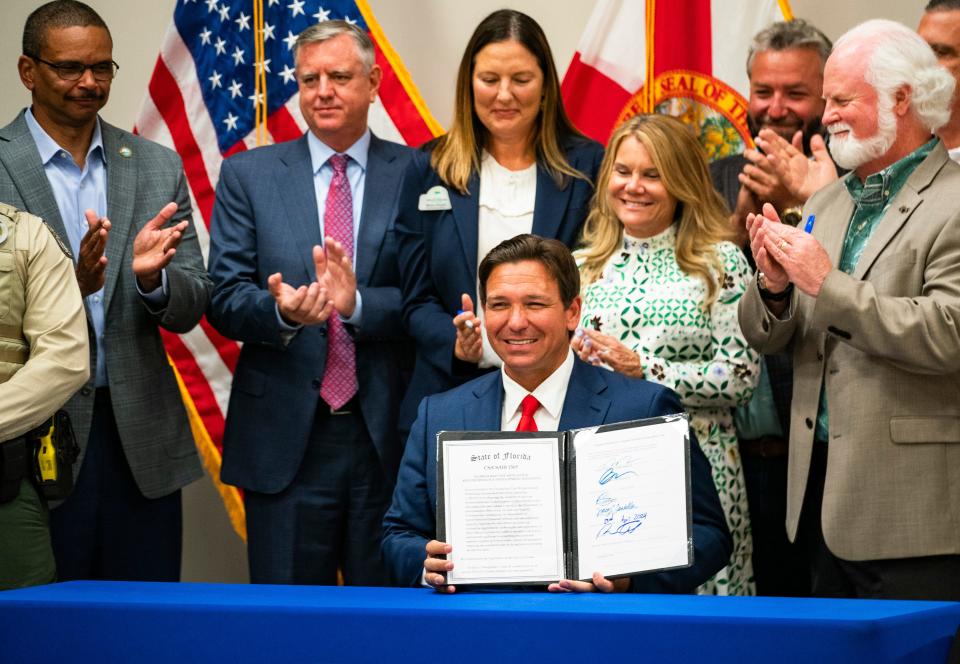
<point>149,282</point>
<point>771,293</point>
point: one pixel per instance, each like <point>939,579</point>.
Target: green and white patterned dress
<point>645,300</point>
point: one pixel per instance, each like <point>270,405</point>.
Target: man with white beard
<point>866,295</point>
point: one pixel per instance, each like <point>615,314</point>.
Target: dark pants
<point>107,529</point>
<point>780,568</point>
<point>927,577</point>
<point>329,517</point>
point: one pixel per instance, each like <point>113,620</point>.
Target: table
<point>183,622</point>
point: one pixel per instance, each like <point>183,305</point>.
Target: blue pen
<point>808,228</point>
<point>469,323</point>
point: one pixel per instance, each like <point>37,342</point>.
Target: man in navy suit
<point>529,288</point>
<point>311,428</point>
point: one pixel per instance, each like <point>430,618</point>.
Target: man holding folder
<point>529,288</point>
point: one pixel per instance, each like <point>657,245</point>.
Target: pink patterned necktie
<point>528,407</point>
<point>340,375</point>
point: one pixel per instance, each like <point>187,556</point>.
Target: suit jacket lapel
<point>381,186</point>
<point>466,215</point>
<point>550,205</point>
<point>22,161</point>
<point>484,414</point>
<point>585,404</point>
<point>831,236</point>
<point>900,209</point>
<point>121,195</point>
<point>294,181</point>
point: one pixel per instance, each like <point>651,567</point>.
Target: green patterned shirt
<point>871,198</point>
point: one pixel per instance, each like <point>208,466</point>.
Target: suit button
<point>819,356</point>
<point>86,390</point>
<point>315,383</point>
<point>809,423</point>
<point>323,331</point>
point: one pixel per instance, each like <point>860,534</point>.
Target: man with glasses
<point>122,204</point>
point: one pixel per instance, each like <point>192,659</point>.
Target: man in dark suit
<point>60,161</point>
<point>311,429</point>
<point>529,288</point>
<point>785,68</point>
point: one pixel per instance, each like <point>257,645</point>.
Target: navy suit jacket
<point>438,258</point>
<point>725,175</point>
<point>594,396</point>
<point>265,220</point>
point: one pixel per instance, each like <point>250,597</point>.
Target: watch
<point>769,295</point>
<point>792,215</point>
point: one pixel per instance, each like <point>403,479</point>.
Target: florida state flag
<point>685,58</point>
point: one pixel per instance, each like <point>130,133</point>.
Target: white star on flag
<point>296,7</point>
<point>215,80</point>
<point>238,57</point>
<point>322,15</point>
<point>205,37</point>
<point>235,89</point>
<point>243,22</point>
<point>288,73</point>
<point>230,121</point>
<point>221,46</point>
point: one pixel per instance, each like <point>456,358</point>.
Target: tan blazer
<point>887,341</point>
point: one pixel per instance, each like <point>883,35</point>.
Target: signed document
<point>533,508</point>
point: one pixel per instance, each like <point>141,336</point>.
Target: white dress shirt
<point>551,394</point>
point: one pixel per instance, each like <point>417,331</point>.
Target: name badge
<point>436,198</point>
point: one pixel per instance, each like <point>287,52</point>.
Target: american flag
<point>201,101</point>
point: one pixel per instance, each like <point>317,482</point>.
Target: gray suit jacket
<point>150,415</point>
<point>886,341</point>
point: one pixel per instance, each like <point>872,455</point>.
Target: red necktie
<point>528,407</point>
<point>340,375</point>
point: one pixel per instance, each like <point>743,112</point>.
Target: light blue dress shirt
<point>320,154</point>
<point>75,191</point>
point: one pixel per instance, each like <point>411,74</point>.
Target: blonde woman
<point>511,163</point>
<point>661,281</point>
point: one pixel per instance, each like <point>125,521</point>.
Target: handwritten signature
<point>627,525</point>
<point>610,474</point>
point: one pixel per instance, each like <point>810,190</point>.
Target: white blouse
<point>506,203</point>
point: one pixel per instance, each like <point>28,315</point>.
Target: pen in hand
<point>468,323</point>
<point>808,227</point>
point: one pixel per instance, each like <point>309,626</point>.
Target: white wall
<point>429,36</point>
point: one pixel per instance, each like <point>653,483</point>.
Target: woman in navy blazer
<point>511,163</point>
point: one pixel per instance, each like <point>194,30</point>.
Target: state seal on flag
<point>717,112</point>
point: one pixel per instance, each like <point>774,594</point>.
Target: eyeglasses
<point>73,71</point>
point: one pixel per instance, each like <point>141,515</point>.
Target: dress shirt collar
<point>49,148</point>
<point>551,393</point>
<point>320,152</point>
<point>877,190</point>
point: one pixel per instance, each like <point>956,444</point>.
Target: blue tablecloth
<point>157,622</point>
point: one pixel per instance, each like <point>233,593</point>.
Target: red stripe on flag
<point>282,126</point>
<point>167,98</point>
<point>592,100</point>
<point>406,118</point>
<point>682,36</point>
<point>239,146</point>
<point>197,386</point>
